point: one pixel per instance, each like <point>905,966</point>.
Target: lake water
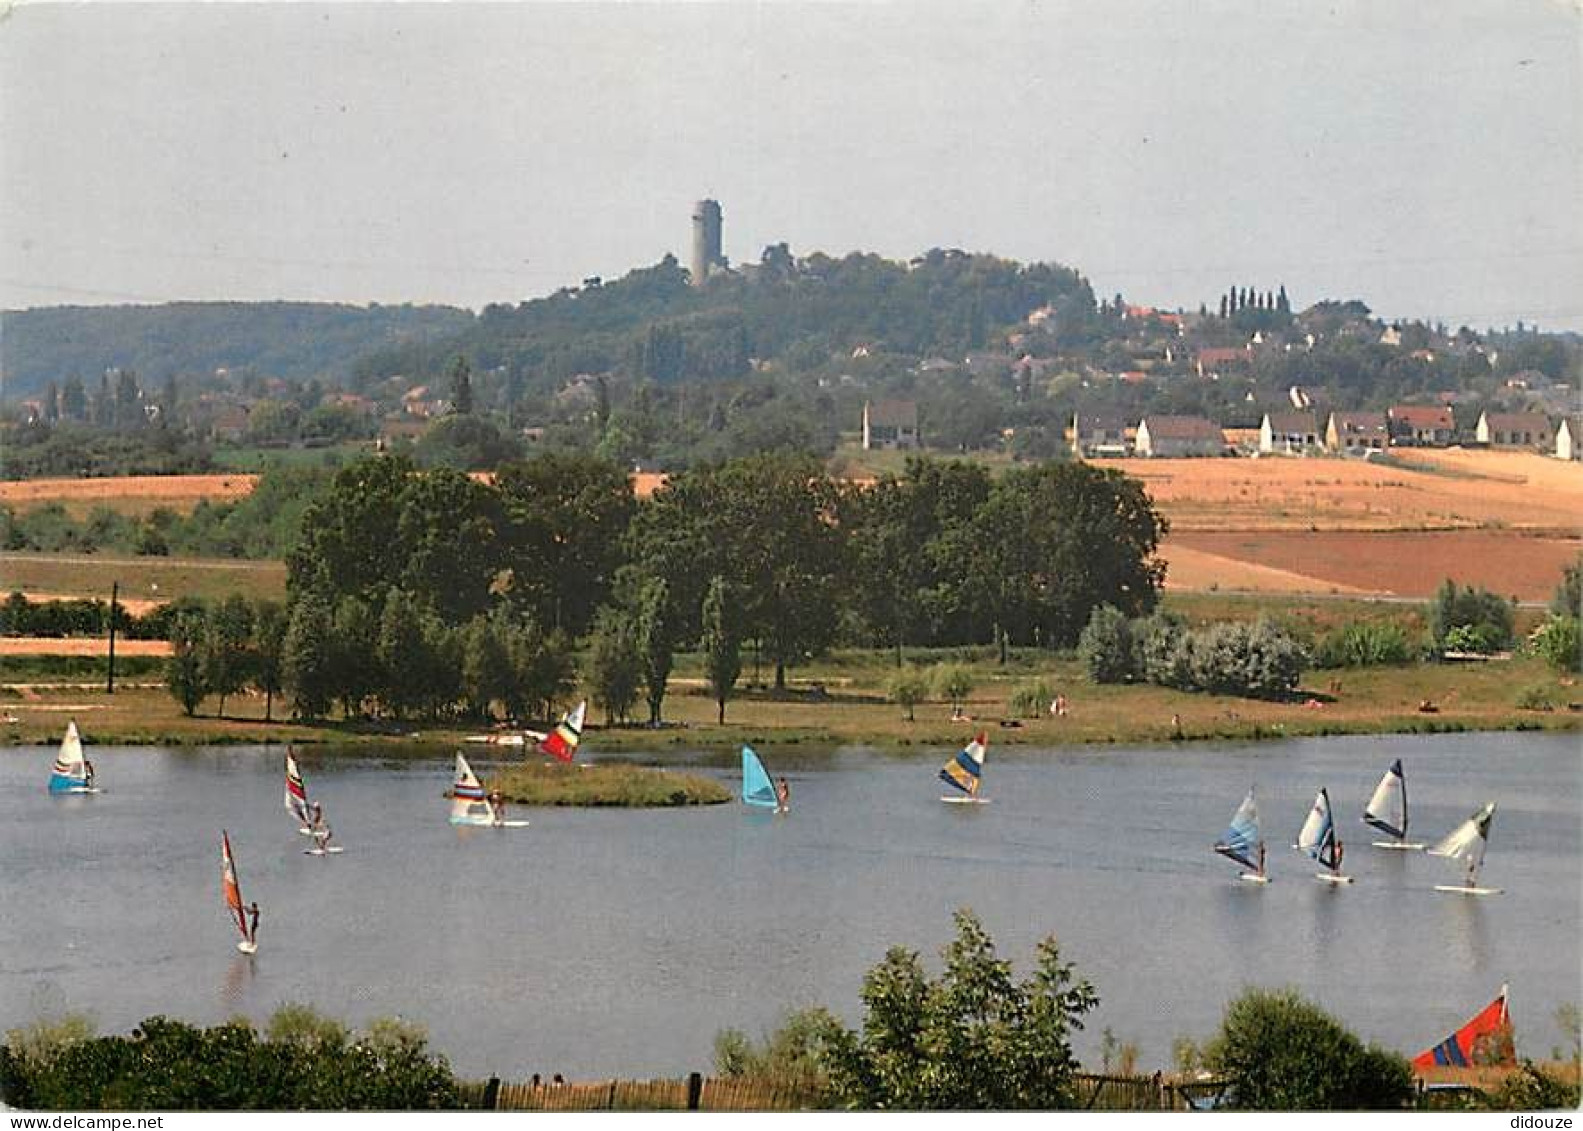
<point>616,943</point>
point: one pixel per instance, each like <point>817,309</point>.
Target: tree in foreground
<point>1280,1052</point>
<point>305,1063</point>
<point>973,1039</point>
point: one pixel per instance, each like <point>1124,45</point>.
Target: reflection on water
<point>603,943</point>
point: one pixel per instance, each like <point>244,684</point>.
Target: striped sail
<point>964,771</point>
<point>230,887</point>
<point>469,803</point>
<point>1387,809</point>
<point>1468,840</point>
<point>1318,837</point>
<point>1486,1039</point>
<point>1241,840</point>
<point>296,792</point>
<point>757,789</point>
<point>562,741</point>
<point>70,771</point>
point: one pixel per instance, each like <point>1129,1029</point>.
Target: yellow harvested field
<point>1452,489</point>
<point>131,494</point>
<point>79,646</point>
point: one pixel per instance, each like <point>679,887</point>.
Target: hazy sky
<point>1425,157</point>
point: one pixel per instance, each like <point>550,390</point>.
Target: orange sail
<point>229,886</point>
<point>1487,1039</point>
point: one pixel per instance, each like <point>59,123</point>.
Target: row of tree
<point>767,551</point>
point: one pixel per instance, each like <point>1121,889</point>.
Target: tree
<point>973,1039</point>
<point>720,644</point>
<point>656,642</point>
<point>306,660</point>
<point>403,654</point>
<point>461,387</point>
<point>1568,599</point>
<point>908,689</point>
<point>954,682</point>
<point>486,666</point>
<point>184,670</point>
<point>226,652</point>
<point>352,667</point>
<point>1279,1052</point>
<point>1487,618</point>
<point>267,665</point>
<point>616,663</point>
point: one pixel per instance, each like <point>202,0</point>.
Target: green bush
<point>1560,642</point>
<point>1487,619</point>
<point>1363,644</point>
<point>1531,1088</point>
<point>790,1057</point>
<point>306,1064</point>
<point>1535,697</point>
<point>1105,646</point>
<point>1280,1052</point>
<point>1030,700</point>
<point>1236,658</point>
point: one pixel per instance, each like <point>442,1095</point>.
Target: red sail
<point>1487,1039</point>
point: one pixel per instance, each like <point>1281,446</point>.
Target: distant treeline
<point>263,524</point>
<point>83,617</point>
<point>293,340</point>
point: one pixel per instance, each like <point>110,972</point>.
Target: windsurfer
<point>1341,850</point>
<point>1261,858</point>
<point>320,827</point>
<point>252,926</point>
<point>87,773</point>
<point>497,807</point>
<point>782,795</point>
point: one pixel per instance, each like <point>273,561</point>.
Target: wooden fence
<point>699,1093</point>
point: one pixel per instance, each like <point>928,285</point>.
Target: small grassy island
<point>614,784</point>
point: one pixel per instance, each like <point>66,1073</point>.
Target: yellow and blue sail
<point>757,789</point>
<point>965,770</point>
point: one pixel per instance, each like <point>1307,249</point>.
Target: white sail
<point>469,804</point>
<point>70,760</point>
<point>1468,840</point>
<point>1387,809</point>
<point>1318,828</point>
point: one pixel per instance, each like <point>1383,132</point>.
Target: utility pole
<point>115,592</point>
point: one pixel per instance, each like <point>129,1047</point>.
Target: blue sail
<point>1241,841</point>
<point>757,789</point>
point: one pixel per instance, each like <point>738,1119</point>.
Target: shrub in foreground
<point>1280,1052</point>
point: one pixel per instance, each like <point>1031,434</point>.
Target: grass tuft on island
<point>613,784</point>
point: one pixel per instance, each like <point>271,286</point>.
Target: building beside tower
<point>707,256</point>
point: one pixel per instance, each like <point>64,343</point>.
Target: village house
<point>1569,438</point>
<point>1288,433</point>
<point>890,424</point>
<point>1357,432</point>
<point>1514,430</point>
<point>1169,436</point>
<point>1214,360</point>
<point>1098,434</point>
<point>1422,426</point>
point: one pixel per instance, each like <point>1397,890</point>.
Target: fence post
<point>695,1090</point>
<point>491,1093</point>
<point>610,1100</point>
